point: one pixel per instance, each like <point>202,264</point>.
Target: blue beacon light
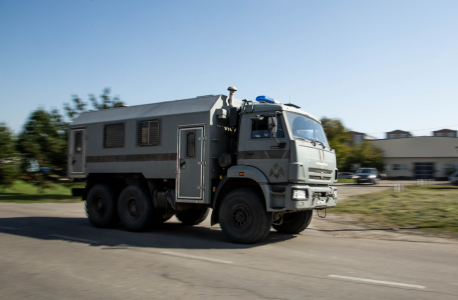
<point>266,99</point>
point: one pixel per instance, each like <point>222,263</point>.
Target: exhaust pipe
<point>232,90</point>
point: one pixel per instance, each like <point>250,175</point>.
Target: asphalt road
<point>50,251</point>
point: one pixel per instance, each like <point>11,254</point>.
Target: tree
<point>366,155</point>
<point>78,106</point>
<point>44,140</point>
<point>339,138</point>
<point>8,167</point>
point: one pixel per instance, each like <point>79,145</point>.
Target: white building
<point>423,157</point>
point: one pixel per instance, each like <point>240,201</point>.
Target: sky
<point>375,65</point>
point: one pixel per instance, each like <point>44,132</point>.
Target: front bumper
<point>365,179</point>
<point>317,197</point>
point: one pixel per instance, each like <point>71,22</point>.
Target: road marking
<point>73,239</point>
<point>8,228</point>
<point>196,257</point>
<point>379,282</point>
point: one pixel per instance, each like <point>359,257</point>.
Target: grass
<point>346,181</point>
<point>434,207</point>
<point>22,192</point>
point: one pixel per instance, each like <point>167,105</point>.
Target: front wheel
<point>243,216</point>
<point>294,222</point>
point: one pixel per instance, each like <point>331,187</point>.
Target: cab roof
<point>262,107</point>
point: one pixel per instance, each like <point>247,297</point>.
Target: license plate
<point>321,202</point>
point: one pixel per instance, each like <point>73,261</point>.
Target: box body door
<point>77,151</point>
<point>190,163</point>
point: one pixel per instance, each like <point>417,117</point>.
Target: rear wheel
<point>243,217</point>
<point>193,216</point>
<point>295,222</point>
<point>101,207</point>
<point>134,208</point>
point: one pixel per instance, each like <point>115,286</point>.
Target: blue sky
<point>376,65</point>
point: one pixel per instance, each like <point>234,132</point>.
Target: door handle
<point>182,163</point>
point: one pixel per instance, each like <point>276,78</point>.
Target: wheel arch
<point>239,176</point>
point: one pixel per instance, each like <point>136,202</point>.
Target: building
<point>445,133</point>
<point>357,137</point>
<point>423,157</point>
<point>398,134</point>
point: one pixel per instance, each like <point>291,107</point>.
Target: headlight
<point>355,177</point>
<point>299,194</point>
<point>372,176</point>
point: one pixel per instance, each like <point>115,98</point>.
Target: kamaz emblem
<point>277,171</point>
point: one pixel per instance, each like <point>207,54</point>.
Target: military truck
<point>256,164</point>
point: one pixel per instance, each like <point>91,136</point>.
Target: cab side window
<point>260,128</point>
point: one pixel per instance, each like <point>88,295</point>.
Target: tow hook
<point>318,212</point>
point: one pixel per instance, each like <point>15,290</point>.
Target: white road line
<point>196,257</point>
<point>8,228</point>
<point>73,239</point>
<point>379,282</point>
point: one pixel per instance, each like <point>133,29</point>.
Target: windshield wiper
<point>322,144</point>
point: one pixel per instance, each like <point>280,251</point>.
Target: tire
<point>295,222</point>
<point>101,206</point>
<point>193,216</point>
<point>135,209</point>
<point>243,216</point>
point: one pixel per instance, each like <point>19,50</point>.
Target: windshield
<point>306,128</point>
<point>365,171</point>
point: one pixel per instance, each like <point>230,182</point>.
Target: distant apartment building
<point>398,134</point>
<point>357,137</point>
<point>445,133</point>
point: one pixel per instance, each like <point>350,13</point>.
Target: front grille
<point>319,177</point>
<point>323,171</point>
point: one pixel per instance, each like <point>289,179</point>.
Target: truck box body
<point>159,160</point>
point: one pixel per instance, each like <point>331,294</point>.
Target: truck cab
<point>285,150</point>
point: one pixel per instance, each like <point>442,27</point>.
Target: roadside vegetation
<point>346,181</point>
<point>23,192</point>
<point>433,207</point>
<point>38,153</point>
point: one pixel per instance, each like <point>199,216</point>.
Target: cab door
<point>190,169</point>
<point>262,150</point>
<point>77,151</point>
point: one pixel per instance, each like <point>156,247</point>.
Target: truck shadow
<point>165,236</point>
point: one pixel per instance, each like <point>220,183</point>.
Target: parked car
<point>345,175</point>
<point>367,175</point>
<point>453,178</point>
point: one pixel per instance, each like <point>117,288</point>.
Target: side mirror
<point>272,125</point>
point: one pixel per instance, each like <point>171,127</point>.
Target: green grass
<point>346,181</point>
<point>434,207</point>
<point>22,192</point>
